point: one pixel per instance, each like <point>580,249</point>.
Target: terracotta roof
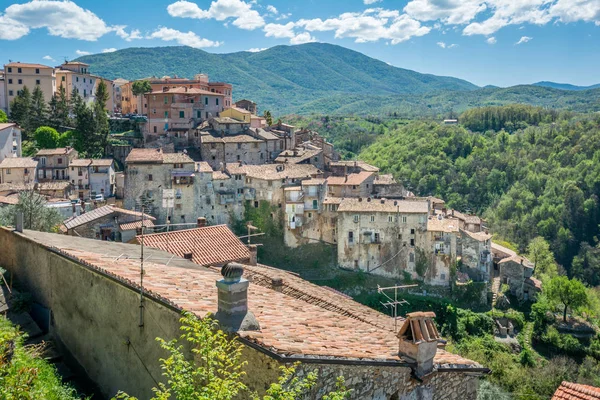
<point>333,200</point>
<point>80,162</point>
<point>314,181</point>
<point>145,156</point>
<point>385,179</point>
<point>185,90</point>
<point>100,212</point>
<point>361,164</point>
<point>447,225</point>
<point>219,175</point>
<point>576,391</point>
<point>288,156</point>
<point>238,109</point>
<point>177,158</point>
<point>75,63</point>
<point>102,162</point>
<point>15,187</point>
<point>228,120</point>
<point>534,282</point>
<point>54,152</point>
<point>18,162</point>
<point>383,205</point>
<point>54,185</point>
<point>128,226</point>
<point>480,236</point>
<point>12,200</point>
<point>213,137</point>
<point>203,166</point>
<point>5,125</point>
<point>271,172</point>
<point>352,179</point>
<point>26,65</point>
<point>210,245</point>
<point>501,251</point>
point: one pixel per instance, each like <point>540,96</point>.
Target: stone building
<point>10,140</point>
<point>385,185</point>
<point>516,272</point>
<point>22,170</point>
<point>108,223</point>
<point>384,237</point>
<point>53,164</point>
<point>80,176</point>
<point>342,168</point>
<point>476,256</point>
<point>278,318</point>
<point>307,219</point>
<point>218,150</point>
<point>351,185</point>
<point>441,248</point>
<point>92,176</point>
<point>247,105</point>
<point>308,155</point>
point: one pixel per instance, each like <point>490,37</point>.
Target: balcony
<point>294,196</point>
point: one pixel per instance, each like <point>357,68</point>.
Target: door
<point>105,233</point>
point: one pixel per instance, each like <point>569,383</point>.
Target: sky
<point>487,42</point>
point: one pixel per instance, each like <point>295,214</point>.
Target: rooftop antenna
<point>394,303</point>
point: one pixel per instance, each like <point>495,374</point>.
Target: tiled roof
<point>213,137</point>
<point>266,135</point>
<point>15,187</point>
<point>148,223</point>
<point>447,225</point>
<point>176,158</point>
<point>12,200</point>
<point>288,156</point>
<point>54,185</point>
<point>54,152</point>
<point>210,245</point>
<point>501,251</point>
<point>314,181</point>
<point>382,205</point>
<point>385,179</point>
<point>5,125</point>
<point>102,162</point>
<point>309,326</point>
<point>145,155</point>
<point>352,179</point>
<point>80,162</point>
<point>480,236</point>
<point>576,391</point>
<point>219,176</point>
<point>184,90</point>
<point>536,283</point>
<point>203,166</point>
<point>271,172</point>
<point>333,200</point>
<point>18,162</point>
<point>100,212</point>
<point>241,110</point>
<point>26,65</point>
<point>228,120</point>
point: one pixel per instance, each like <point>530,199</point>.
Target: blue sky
<point>498,42</point>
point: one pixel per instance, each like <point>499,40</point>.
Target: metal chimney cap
<point>232,272</point>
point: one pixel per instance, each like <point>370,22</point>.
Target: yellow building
<point>237,113</point>
<point>17,75</point>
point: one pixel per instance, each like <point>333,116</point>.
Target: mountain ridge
<point>565,86</point>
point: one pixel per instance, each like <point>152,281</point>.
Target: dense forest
<point>541,180</point>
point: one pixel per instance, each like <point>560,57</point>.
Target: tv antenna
<point>394,303</point>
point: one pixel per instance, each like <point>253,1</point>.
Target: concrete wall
<point>96,317</point>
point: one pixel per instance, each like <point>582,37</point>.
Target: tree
<point>39,110</point>
<point>36,215</point>
<point>216,370</point>
<point>101,117</point>
<point>3,117</point>
<point>20,110</point>
<point>46,137</point>
<point>267,115</point>
<point>568,292</point>
<point>141,87</point>
<point>59,109</point>
<point>543,259</point>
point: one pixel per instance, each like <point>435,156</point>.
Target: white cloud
<point>110,50</point>
<point>491,40</point>
<point>183,38</point>
<point>49,58</point>
<point>82,53</point>
<point>280,31</point>
<point>448,11</point>
<point>367,2</point>
<point>283,16</point>
<point>441,44</point>
<point>524,39</point>
<point>369,26</point>
<point>302,38</point>
<point>256,49</point>
<point>244,17</point>
<point>62,18</point>
<point>446,46</point>
<point>133,34</point>
<point>272,9</point>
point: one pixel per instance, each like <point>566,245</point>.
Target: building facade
<point>10,140</point>
<point>53,164</point>
<point>18,170</point>
<point>17,75</point>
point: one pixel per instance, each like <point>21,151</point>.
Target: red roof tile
<point>576,391</point>
<point>352,179</point>
<point>210,245</point>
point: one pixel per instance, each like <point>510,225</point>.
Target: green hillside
<point>282,78</point>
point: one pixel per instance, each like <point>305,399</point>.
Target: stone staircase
<point>495,290</point>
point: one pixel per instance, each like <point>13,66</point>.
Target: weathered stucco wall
<point>97,318</point>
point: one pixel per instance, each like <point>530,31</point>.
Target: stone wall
<point>96,317</point>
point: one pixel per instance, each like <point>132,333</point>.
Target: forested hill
<point>281,78</point>
<point>530,172</point>
<point>565,86</point>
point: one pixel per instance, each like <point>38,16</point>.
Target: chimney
<point>359,199</point>
<point>188,256</point>
<point>253,259</point>
<point>277,283</point>
<point>201,222</point>
<point>419,341</point>
<point>368,199</point>
<point>232,291</point>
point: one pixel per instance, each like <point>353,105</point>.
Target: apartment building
<point>10,140</point>
<point>17,75</point>
<point>53,164</point>
<point>75,75</point>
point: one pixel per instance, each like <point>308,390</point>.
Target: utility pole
<point>394,303</point>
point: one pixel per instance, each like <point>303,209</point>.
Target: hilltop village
<point>198,163</point>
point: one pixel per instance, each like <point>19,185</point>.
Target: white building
<point>10,140</point>
<point>102,177</point>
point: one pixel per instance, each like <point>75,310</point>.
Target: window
<point>206,102</point>
<point>309,215</point>
<point>83,80</point>
<point>43,160</point>
<point>19,70</point>
<point>376,240</point>
<point>390,218</point>
<point>84,92</point>
<point>239,146</point>
<point>10,69</point>
<point>7,171</point>
<point>372,218</point>
<point>59,160</point>
<point>150,177</point>
<point>443,276</point>
<point>350,237</point>
<point>238,157</point>
<point>166,99</point>
<point>217,101</point>
<point>221,184</point>
<point>20,81</point>
<point>37,81</point>
<point>166,114</point>
<point>412,231</point>
<point>356,218</point>
<point>76,79</point>
<point>181,114</point>
<point>62,78</point>
<point>37,70</point>
<point>411,257</point>
<point>154,111</point>
<point>80,171</point>
<point>403,219</point>
<point>412,242</point>
<point>154,128</point>
<point>10,81</point>
<point>10,93</point>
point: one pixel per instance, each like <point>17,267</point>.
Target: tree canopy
<point>141,87</point>
<point>571,293</point>
<point>46,137</point>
